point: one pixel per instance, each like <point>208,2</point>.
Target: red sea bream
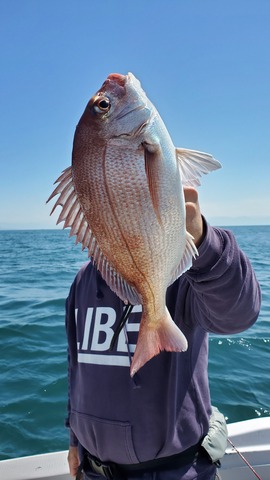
<point>123,199</point>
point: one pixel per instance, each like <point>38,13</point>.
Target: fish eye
<point>102,105</point>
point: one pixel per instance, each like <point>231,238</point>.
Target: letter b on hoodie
<point>103,332</point>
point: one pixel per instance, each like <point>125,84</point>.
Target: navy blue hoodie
<point>165,408</point>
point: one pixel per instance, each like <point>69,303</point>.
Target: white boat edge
<point>250,437</point>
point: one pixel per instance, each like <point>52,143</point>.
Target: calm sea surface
<point>36,270</point>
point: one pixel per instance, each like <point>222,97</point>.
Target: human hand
<point>73,460</point>
<point>194,221</point>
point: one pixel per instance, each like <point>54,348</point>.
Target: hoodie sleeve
<point>72,355</point>
<point>225,295</point>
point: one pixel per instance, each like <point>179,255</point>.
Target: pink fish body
<point>123,199</point>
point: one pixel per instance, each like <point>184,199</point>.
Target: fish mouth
<point>121,80</point>
<point>118,78</point>
<point>115,82</point>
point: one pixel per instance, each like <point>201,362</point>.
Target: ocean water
<point>36,271</point>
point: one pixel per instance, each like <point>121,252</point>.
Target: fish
<point>122,197</point>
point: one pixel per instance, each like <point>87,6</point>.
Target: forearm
<point>73,460</point>
<point>226,293</point>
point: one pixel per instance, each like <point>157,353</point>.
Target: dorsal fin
<point>73,216</point>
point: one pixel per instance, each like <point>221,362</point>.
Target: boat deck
<point>251,438</point>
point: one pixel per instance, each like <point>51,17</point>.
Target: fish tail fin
<point>155,337</point>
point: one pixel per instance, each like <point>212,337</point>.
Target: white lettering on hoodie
<point>94,346</point>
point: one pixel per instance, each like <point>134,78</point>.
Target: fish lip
<point>118,78</point>
<point>122,80</point>
<point>116,82</point>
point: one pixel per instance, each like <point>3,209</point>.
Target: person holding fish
<point>138,314</point>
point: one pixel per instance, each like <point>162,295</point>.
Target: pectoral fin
<point>152,160</point>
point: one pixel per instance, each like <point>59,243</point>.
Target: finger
<point>191,195</point>
<point>194,223</point>
<point>191,199</point>
<point>191,212</point>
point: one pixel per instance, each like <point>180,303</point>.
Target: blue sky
<point>205,64</point>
